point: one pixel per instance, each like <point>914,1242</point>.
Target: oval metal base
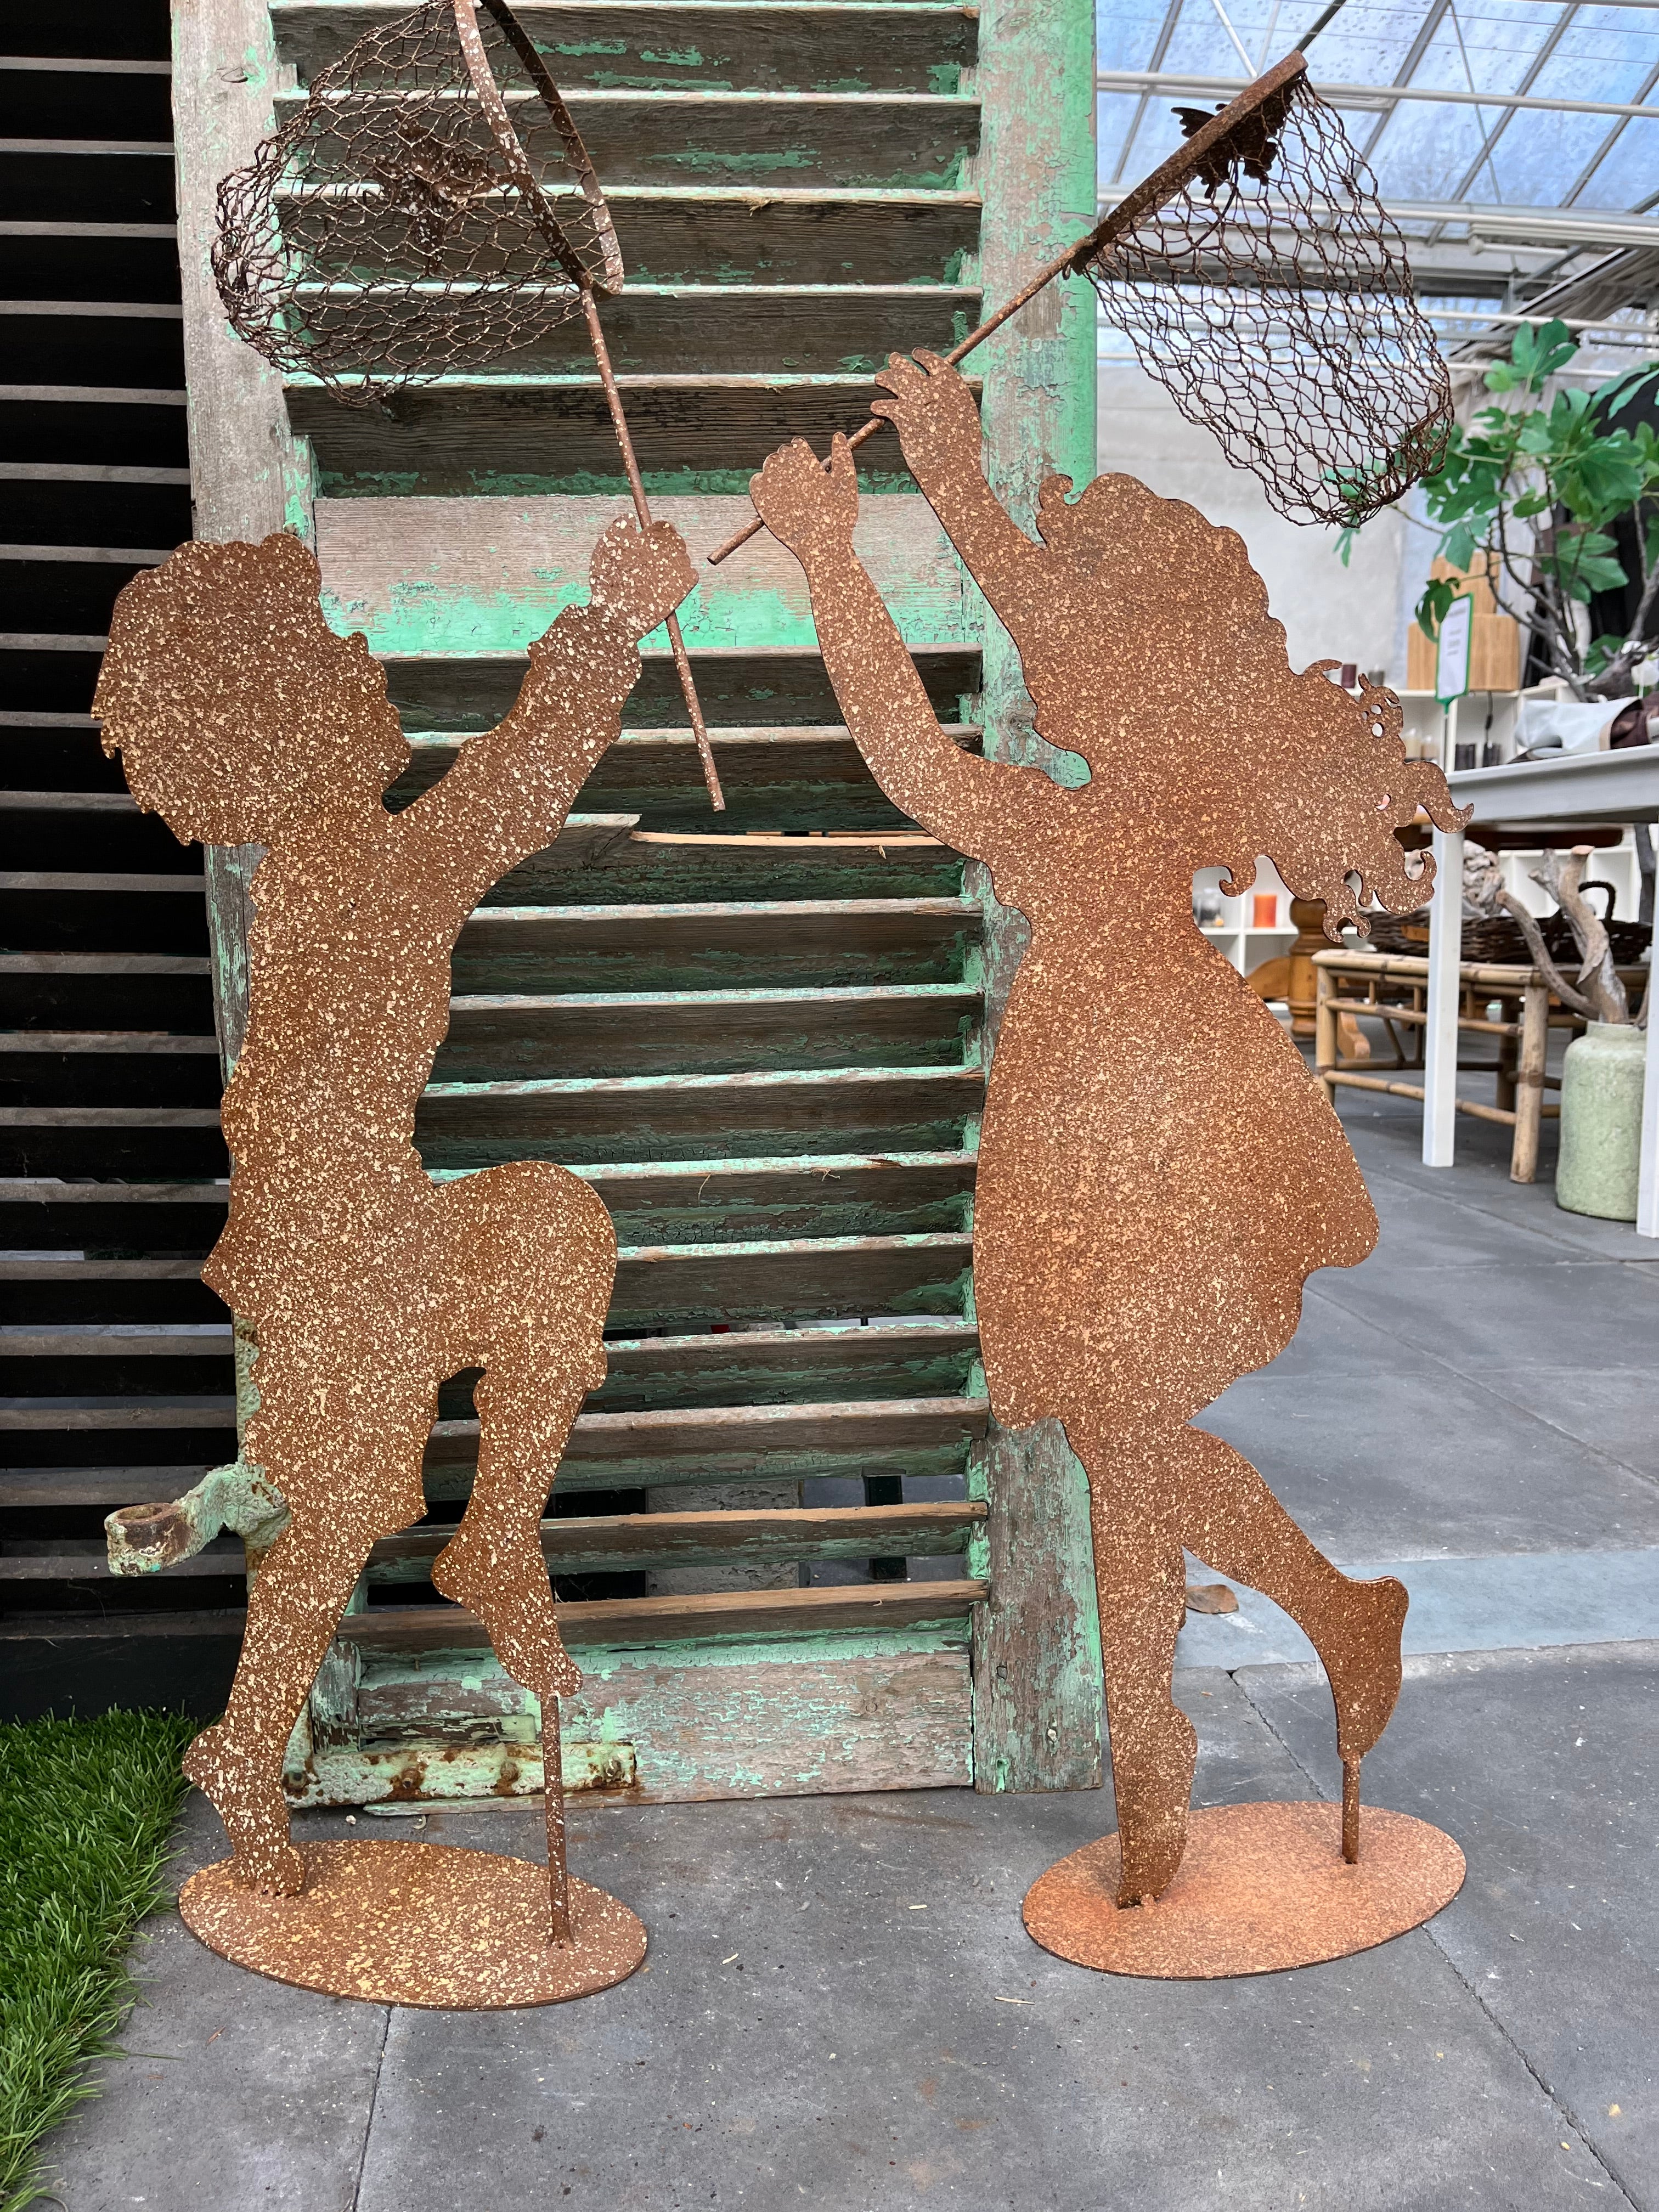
<point>416,1924</point>
<point>1261,1888</point>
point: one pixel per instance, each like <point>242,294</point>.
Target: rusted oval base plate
<point>416,1924</point>
<point>1262,1887</point>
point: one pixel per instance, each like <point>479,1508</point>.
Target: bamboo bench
<point>1392,988</point>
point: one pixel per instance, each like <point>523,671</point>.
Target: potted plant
<point>1563,503</point>
<point>1599,1161</point>
<point>1558,503</point>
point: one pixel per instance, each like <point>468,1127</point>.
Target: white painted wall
<point>1359,613</point>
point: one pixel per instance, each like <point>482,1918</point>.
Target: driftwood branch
<point>1560,875</point>
<point>1485,891</point>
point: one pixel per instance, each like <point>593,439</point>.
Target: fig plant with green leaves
<point>1541,488</point>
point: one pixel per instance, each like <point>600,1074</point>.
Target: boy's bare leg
<point>1141,1580</point>
<point>293,1607</point>
<point>494,1563</point>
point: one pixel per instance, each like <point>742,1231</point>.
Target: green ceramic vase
<point>1602,1122</point>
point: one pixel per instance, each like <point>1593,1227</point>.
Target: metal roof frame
<point>1536,241</point>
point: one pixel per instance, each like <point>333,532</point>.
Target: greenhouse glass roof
<point>1517,142</point>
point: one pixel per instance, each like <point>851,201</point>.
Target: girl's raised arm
<point>933,410</point>
<point>954,796</point>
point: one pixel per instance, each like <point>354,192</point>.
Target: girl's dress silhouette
<point>1158,1172</point>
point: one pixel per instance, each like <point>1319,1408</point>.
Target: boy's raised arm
<point>507,793</point>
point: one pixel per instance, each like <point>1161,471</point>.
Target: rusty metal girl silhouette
<point>1158,1172</point>
<point>242,718</point>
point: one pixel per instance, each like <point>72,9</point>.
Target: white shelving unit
<point>1236,932</point>
<point>1432,731</point>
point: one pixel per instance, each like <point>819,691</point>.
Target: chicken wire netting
<point>1272,300</point>
<point>385,236</point>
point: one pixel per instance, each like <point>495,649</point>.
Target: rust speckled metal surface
<point>243,719</point>
<point>1262,1887</point>
<point>416,1924</point>
<point>1159,1174</point>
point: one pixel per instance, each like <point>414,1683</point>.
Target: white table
<point>1588,787</point>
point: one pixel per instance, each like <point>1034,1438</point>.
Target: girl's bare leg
<point>1141,1579</point>
<point>294,1605</point>
<point>1234,1523</point>
<point>494,1564</point>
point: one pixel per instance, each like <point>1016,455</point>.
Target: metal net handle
<point>511,146</point>
<point>1166,183</point>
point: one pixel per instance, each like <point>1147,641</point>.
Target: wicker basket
<point>1496,941</point>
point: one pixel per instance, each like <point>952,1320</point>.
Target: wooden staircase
<point>795,1554</point>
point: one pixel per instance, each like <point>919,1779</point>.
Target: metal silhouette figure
<point>1158,1171</point>
<point>243,719</point>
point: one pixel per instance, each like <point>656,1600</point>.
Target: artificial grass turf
<point>86,1808</point>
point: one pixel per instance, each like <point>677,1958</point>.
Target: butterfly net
<point>1272,300</point>
<point>384,236</point>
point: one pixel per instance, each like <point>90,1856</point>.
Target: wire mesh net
<point>384,236</point>
<point>1272,300</point>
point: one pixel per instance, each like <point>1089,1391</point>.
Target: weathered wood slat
<point>884,1710</point>
<point>726,1614</point>
<point>68,802</point>
<point>25,880</point>
<point>222,1561</point>
<point>101,963</point>
<point>791,234</point>
<point>781,780</point>
<point>920,139</point>
<point>735,329</point>
<point>677,1443</point>
<point>848,1362</point>
<point>681,45</point>
<point>82,1341</point>
<point>677,1286</point>
<point>634,1033</point>
<point>109,1117</point>
<point>675,869</point>
<point>95,1042</point>
<point>714,233</point>
<point>609,1543</point>
<point>102,1488</point>
<point>503,434</point>
<point>24,1413</point>
<point>711,1202</point>
<point>790,772</point>
<point>741,944</point>
<point>644,1117</point>
<point>738,684</point>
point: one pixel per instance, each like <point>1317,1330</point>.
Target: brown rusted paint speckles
<point>1262,1887</point>
<point>416,1924</point>
<point>1158,1172</point>
<point>244,719</point>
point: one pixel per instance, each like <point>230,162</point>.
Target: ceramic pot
<point>1602,1122</point>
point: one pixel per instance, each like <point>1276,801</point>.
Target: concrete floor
<point>1475,1404</point>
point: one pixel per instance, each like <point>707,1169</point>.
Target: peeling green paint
<point>425,616</point>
